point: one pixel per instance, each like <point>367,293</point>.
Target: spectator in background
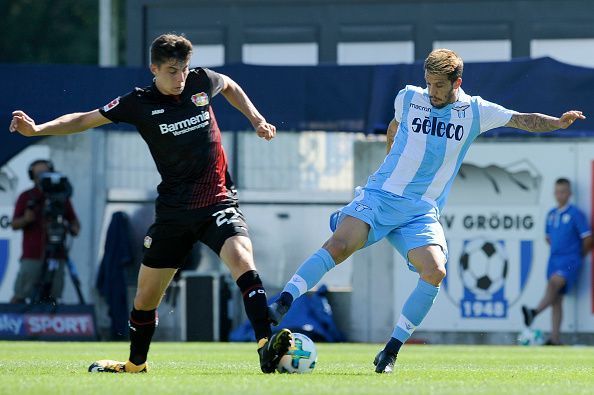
<point>29,216</point>
<point>570,238</point>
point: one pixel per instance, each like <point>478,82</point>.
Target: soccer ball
<point>483,265</point>
<point>530,337</point>
<point>301,357</point>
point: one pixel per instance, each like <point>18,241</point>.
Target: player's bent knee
<point>236,248</point>
<point>338,249</point>
<point>434,275</point>
<point>557,281</point>
<point>441,272</point>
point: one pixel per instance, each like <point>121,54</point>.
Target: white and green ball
<point>301,357</point>
<point>531,337</point>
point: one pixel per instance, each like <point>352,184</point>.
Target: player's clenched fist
<point>266,131</point>
<point>567,118</point>
<point>22,123</point>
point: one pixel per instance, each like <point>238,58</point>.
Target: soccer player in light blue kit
<point>431,132</point>
<point>570,238</point>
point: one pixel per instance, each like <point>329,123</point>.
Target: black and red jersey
<point>184,140</point>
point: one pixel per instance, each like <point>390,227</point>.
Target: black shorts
<point>171,238</point>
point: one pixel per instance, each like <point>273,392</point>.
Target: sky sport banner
<point>494,223</point>
<point>47,322</point>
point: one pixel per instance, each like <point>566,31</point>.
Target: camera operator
<point>30,215</point>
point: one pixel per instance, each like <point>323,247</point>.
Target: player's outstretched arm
<point>66,124</point>
<point>535,122</point>
<point>391,134</point>
<point>238,99</point>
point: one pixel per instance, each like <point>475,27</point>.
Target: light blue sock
<point>310,273</point>
<point>415,309</point>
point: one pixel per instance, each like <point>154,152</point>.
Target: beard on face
<point>447,101</point>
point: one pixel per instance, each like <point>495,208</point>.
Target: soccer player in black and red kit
<point>197,199</point>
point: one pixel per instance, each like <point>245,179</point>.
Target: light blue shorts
<point>406,223</point>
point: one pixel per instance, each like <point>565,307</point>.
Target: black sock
<point>393,345</point>
<point>285,299</point>
<point>534,312</point>
<point>255,303</point>
<point>142,326</point>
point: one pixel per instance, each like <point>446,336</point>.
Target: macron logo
<point>156,112</point>
<point>417,107</point>
<point>405,324</point>
<point>299,282</point>
<point>360,207</point>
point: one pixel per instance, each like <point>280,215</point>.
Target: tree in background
<point>51,31</point>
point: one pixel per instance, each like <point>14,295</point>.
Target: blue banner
<point>331,98</point>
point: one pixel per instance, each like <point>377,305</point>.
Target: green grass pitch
<point>228,368</point>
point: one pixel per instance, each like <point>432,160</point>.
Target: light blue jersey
<point>431,143</point>
<point>403,199</point>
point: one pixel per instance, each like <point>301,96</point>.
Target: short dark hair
<point>170,46</point>
<point>444,62</point>
<point>36,162</point>
<point>563,180</point>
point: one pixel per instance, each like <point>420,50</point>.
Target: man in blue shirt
<point>570,238</point>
